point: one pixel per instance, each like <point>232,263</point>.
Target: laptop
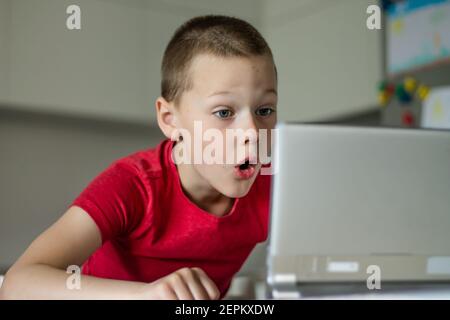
<point>358,209</point>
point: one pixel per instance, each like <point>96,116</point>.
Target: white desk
<point>441,292</point>
<point>423,295</point>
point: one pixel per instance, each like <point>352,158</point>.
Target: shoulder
<point>147,163</point>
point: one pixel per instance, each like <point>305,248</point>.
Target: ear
<point>165,113</point>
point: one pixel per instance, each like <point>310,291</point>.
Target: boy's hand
<point>183,284</point>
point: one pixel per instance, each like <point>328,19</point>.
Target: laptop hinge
<point>284,286</point>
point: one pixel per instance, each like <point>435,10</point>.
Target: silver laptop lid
<point>347,198</point>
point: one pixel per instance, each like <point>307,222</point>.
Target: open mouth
<point>245,165</point>
<point>245,170</point>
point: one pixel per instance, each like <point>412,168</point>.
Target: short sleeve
<point>116,200</point>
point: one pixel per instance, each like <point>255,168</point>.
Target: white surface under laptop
<point>345,198</point>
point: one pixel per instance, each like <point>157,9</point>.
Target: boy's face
<point>229,93</point>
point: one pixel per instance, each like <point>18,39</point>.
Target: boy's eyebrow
<point>272,90</point>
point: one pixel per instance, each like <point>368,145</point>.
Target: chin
<point>236,191</point>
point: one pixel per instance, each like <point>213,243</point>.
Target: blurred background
<point>73,101</point>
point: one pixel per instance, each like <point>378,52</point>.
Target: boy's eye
<point>265,111</point>
<point>223,114</point>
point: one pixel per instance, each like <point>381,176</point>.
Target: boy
<point>152,226</point>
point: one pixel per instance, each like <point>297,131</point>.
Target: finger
<point>166,292</point>
<point>180,287</point>
<point>195,285</point>
<point>208,284</point>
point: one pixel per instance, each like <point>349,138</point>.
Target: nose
<point>250,126</point>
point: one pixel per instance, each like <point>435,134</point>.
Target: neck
<point>200,192</point>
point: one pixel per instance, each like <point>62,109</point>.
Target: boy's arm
<point>40,273</point>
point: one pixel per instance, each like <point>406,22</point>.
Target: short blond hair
<point>222,36</point>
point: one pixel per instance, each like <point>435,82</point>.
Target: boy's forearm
<point>45,282</point>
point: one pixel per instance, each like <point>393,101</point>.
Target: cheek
<point>265,145</point>
<point>190,115</point>
<point>271,122</point>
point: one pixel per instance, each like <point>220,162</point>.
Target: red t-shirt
<point>150,228</point>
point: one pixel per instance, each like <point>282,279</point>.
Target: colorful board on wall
<point>418,34</point>
<point>436,109</point>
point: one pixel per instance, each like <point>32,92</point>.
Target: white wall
<point>109,68</point>
<point>4,48</point>
<point>328,62</point>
